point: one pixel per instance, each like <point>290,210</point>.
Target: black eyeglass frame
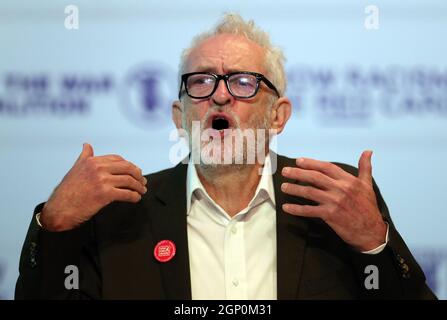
<point>225,77</point>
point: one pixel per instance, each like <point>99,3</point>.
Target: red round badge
<point>164,250</point>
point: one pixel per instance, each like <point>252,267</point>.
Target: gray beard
<point>213,170</point>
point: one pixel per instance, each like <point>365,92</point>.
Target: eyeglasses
<point>243,84</point>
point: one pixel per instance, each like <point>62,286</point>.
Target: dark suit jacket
<point>114,252</point>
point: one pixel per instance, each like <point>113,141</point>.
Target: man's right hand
<point>90,185</point>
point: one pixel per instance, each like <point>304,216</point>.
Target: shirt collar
<point>264,189</point>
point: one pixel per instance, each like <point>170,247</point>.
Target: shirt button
<point>235,282</point>
<point>233,230</point>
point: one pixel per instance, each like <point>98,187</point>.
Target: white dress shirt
<point>234,257</point>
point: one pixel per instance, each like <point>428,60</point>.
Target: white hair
<point>232,23</point>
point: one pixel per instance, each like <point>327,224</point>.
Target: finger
<point>87,152</point>
<point>106,159</point>
<point>303,210</point>
<point>312,177</point>
<point>124,168</point>
<point>365,167</point>
<point>310,193</point>
<point>127,182</point>
<point>125,195</point>
<point>327,168</point>
<point>110,157</point>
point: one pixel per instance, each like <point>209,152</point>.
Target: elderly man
<point>214,229</point>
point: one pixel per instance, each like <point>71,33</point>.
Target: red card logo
<point>164,251</point>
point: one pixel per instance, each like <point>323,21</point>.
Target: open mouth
<point>220,123</point>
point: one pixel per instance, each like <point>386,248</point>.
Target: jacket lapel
<point>169,223</point>
<point>291,233</point>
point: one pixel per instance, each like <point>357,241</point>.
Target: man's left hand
<point>345,202</point>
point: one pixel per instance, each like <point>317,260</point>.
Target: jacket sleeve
<point>56,265</point>
<point>400,276</point>
<point>28,284</point>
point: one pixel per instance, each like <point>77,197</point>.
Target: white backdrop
<point>111,83</point>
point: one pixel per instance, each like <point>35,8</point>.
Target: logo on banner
<point>147,95</point>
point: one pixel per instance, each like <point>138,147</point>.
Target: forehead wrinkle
<point>225,67</point>
<point>229,53</point>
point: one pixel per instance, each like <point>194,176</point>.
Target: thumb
<point>87,152</point>
<point>365,167</point>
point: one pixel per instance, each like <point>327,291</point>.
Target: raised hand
<point>345,202</point>
<point>91,184</point>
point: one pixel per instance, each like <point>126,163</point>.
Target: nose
<point>221,96</point>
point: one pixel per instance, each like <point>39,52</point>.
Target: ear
<point>280,113</point>
<point>177,112</point>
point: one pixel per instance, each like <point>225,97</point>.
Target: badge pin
<point>164,251</point>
